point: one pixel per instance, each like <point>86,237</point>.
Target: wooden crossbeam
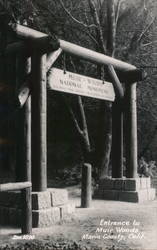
<point>52,57</point>
<point>126,72</point>
<point>94,57</point>
<point>26,32</point>
<point>84,53</point>
<point>15,186</point>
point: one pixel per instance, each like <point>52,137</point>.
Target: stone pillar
<point>39,123</point>
<point>131,131</point>
<point>117,140</point>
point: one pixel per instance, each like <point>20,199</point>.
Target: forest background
<point>80,129</point>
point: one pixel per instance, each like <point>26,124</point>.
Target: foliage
<point>67,176</point>
<point>136,42</point>
<point>74,21</point>
<point>147,169</point>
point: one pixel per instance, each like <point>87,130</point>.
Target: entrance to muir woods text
<point>116,230</point>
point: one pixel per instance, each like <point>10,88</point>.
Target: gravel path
<point>106,225</point>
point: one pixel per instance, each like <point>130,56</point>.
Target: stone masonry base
<point>126,189</point>
<point>48,207</point>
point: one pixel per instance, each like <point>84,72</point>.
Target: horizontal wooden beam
<point>38,40</point>
<point>94,56</point>
<point>26,32</point>
<point>15,186</point>
<point>43,41</point>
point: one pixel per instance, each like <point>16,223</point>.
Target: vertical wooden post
<point>27,131</point>
<point>27,141</point>
<point>86,192</point>
<point>131,131</point>
<point>117,140</point>
<point>23,125</point>
<point>20,75</point>
<point>26,211</point>
<point>39,123</point>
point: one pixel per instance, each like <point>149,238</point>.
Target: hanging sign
<point>80,85</point>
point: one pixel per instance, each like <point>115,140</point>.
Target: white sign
<point>80,85</point>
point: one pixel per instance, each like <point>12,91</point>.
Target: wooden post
<point>27,130</point>
<point>27,141</point>
<point>23,123</point>
<point>117,140</point>
<point>86,192</point>
<point>39,123</point>
<point>26,211</point>
<point>131,131</point>
<point>19,122</point>
<point>117,125</point>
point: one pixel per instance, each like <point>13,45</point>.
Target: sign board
<point>80,85</point>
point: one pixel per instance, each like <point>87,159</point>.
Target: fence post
<point>86,192</point>
<point>26,218</point>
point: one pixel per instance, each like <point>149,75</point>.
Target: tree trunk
<point>103,149</point>
<point>86,147</point>
<point>105,132</point>
<point>85,142</point>
<point>81,128</point>
<point>111,31</point>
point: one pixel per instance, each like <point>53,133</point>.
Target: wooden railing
<point>26,208</point>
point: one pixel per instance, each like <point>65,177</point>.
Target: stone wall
<point>126,189</point>
<point>48,207</point>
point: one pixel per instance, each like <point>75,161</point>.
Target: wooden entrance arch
<point>43,54</point>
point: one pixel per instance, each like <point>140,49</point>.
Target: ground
<point>79,230</point>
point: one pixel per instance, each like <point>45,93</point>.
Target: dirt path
<point>84,229</point>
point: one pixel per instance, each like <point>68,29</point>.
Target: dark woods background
<point>79,129</point>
